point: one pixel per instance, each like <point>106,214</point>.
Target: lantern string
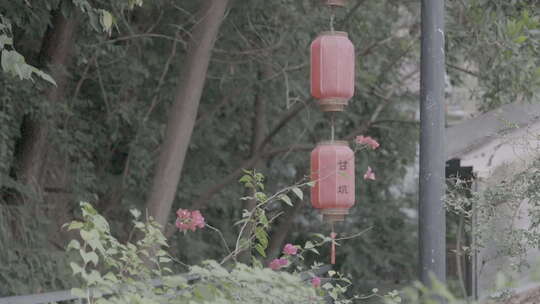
<point>332,18</point>
<point>332,127</point>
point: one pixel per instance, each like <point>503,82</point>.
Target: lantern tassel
<point>333,250</point>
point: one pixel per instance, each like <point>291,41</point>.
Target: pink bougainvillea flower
<point>182,225</point>
<point>316,282</point>
<point>183,214</point>
<point>366,140</point>
<point>197,219</point>
<point>290,249</point>
<point>275,264</point>
<point>189,220</point>
<point>283,262</point>
<point>369,174</point>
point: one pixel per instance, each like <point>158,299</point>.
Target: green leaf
<point>261,197</point>
<point>261,236</point>
<point>89,257</point>
<point>285,199</point>
<point>88,235</point>
<point>327,286</point>
<point>245,179</point>
<point>15,64</point>
<point>132,3</point>
<point>75,268</point>
<point>106,21</point>
<point>73,244</point>
<point>520,39</point>
<point>110,277</point>
<point>93,277</point>
<point>263,219</point>
<point>256,263</point>
<point>164,259</point>
<point>44,76</point>
<point>298,193</point>
<point>75,225</point>
<point>83,5</point>
<point>260,250</point>
<point>5,40</point>
<point>136,213</point>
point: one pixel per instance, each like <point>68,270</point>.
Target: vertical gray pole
<point>432,217</point>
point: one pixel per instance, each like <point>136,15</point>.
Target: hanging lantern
<point>332,70</point>
<point>332,170</point>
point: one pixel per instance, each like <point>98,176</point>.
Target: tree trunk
<point>55,52</point>
<point>279,235</point>
<point>184,111</point>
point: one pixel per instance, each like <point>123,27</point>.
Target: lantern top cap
<point>333,143</point>
<point>334,33</point>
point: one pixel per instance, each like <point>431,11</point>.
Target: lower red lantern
<point>332,171</point>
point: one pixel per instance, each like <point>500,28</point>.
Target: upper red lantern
<point>332,170</point>
<point>332,70</point>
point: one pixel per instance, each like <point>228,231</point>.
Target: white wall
<point>499,147</point>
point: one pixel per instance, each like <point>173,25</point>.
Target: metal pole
<point>432,217</point>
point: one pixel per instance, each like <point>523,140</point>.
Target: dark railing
<point>65,295</point>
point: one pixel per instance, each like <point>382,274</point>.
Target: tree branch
<point>463,70</point>
<point>204,199</point>
<point>225,100</point>
<point>352,11</point>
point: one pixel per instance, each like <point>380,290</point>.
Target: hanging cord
<point>332,127</point>
<point>333,249</point>
<point>332,18</point>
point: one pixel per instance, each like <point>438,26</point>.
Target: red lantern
<point>332,170</point>
<point>332,70</point>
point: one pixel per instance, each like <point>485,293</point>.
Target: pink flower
<point>189,220</point>
<point>369,174</point>
<point>366,140</point>
<point>197,219</point>
<point>275,264</point>
<point>290,249</point>
<point>183,214</point>
<point>316,282</point>
<point>182,225</point>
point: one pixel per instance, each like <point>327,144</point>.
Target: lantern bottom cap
<point>332,104</point>
<point>334,215</point>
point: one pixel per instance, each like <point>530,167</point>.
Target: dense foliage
<point>104,119</point>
